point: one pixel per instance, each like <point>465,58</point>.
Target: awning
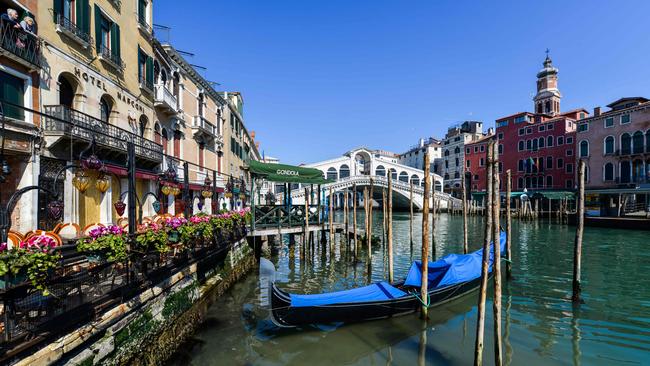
<point>122,172</point>
<point>477,196</point>
<point>287,173</point>
<point>555,195</point>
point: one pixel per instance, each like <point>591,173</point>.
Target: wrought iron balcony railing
<point>19,45</point>
<point>165,99</point>
<point>146,84</point>
<point>70,29</point>
<point>110,57</point>
<point>79,125</point>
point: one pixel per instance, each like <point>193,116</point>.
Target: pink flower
<point>3,247</point>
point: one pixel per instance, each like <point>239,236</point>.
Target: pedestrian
<point>28,25</point>
<point>11,17</point>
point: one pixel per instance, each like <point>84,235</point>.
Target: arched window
<point>626,144</point>
<point>522,146</point>
<point>415,180</point>
<point>457,150</point>
<point>404,177</point>
<point>549,141</point>
<point>456,175</point>
<point>331,173</point>
<point>393,173</point>
<point>344,171</point>
<point>584,148</point>
<point>647,141</point>
<point>520,183</point>
<point>548,107</point>
<point>625,171</point>
<point>549,162</point>
<point>142,125</point>
<point>165,139</point>
<point>637,142</point>
<point>608,172</point>
<point>163,77</point>
<point>549,181</point>
<point>178,136</point>
<point>380,170</point>
<point>200,104</point>
<point>609,145</point>
<point>446,176</point>
<point>535,146</point>
<point>446,152</point>
<point>105,107</point>
<point>66,92</point>
<point>156,133</point>
<point>541,142</point>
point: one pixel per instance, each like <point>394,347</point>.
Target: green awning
<point>555,195</point>
<point>479,195</point>
<point>287,173</point>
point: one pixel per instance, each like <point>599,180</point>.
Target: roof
<point>627,99</point>
<point>481,140</point>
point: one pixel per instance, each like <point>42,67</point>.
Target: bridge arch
<point>415,180</point>
<point>404,177</point>
<point>362,162</point>
<point>393,173</point>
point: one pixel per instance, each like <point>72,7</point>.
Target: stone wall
<point>148,329</point>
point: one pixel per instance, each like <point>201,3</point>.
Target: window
<point>541,142</point>
<point>520,166</point>
<point>467,163</point>
<point>569,168</point>
<point>549,162</point>
<point>482,148</point>
<point>637,142</point>
<point>626,144</point>
<point>609,122</point>
<point>609,145</point>
<point>583,127</point>
<point>520,183</point>
<point>446,164</point>
<point>481,162</point>
<point>529,145</point>
<point>502,123</point>
<point>569,140</point>
<point>446,152</point>
<point>332,173</point>
<point>560,140</point>
<point>549,181</point>
<point>529,131</point>
<point>145,69</point>
<point>569,152</point>
<point>500,149</point>
<point>560,163</point>
<point>105,107</point>
<point>500,136</point>
<point>475,176</point>
<point>521,119</point>
<point>142,12</point>
<point>549,127</point>
<point>475,149</point>
<point>456,175</point>
<point>12,90</point>
<point>568,184</point>
<point>522,131</point>
<point>468,150</point>
<point>625,119</point>
<point>107,38</point>
<point>542,128</point>
<point>582,115</point>
<point>584,149</point>
<point>457,150</point>
<point>535,145</point>
<point>549,141</point>
<point>647,145</point>
<point>608,172</point>
<point>457,162</point>
<point>521,146</point>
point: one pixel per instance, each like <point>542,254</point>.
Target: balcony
<point>146,85</point>
<point>67,127</point>
<point>144,27</point>
<point>20,46</point>
<point>202,126</point>
<point>69,28</point>
<point>105,54</point>
<point>629,152</point>
<point>165,99</point>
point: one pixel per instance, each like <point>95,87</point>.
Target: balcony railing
<point>79,125</point>
<point>165,98</point>
<point>19,45</point>
<point>144,26</point>
<point>146,84</point>
<point>203,125</point>
<point>107,55</point>
<point>70,29</point>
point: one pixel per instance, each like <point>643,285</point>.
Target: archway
<point>67,89</point>
<point>404,177</point>
<point>105,108</point>
<point>381,171</point>
<point>362,163</point>
<point>332,173</point>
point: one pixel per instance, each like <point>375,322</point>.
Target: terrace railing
<point>82,290</point>
<point>111,57</point>
<point>22,46</point>
<point>165,98</point>
<point>69,28</point>
<point>79,125</point>
<point>279,216</point>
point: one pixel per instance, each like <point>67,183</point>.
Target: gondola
<point>450,278</point>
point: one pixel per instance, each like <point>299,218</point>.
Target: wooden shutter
<point>12,90</point>
<point>115,41</point>
<point>57,8</point>
<point>140,76</point>
<point>149,70</point>
<point>98,29</point>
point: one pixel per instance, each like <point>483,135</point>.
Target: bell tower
<point>547,99</point>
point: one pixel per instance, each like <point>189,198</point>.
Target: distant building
<point>539,148</point>
<point>453,153</point>
<point>476,162</point>
<point>616,148</point>
<point>414,157</point>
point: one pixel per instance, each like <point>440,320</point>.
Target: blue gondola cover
<point>375,292</point>
<point>453,268</point>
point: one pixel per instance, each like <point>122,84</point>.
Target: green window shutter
<point>80,14</point>
<point>149,70</point>
<point>115,41</point>
<point>139,63</point>
<point>98,29</point>
<point>12,90</point>
<point>83,15</point>
<point>57,8</point>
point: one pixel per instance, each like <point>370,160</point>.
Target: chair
<point>123,222</point>
<point>160,219</point>
<point>31,233</point>
<point>68,231</point>
<point>14,238</point>
<point>89,227</point>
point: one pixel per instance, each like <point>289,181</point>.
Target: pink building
<point>616,148</point>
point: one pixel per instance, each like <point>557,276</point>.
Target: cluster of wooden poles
<point>492,211</point>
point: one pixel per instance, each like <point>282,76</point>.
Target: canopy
<point>453,268</point>
<point>555,195</point>
<point>287,173</point>
<point>375,292</point>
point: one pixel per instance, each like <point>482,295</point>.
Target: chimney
<point>596,111</point>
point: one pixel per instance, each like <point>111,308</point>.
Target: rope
<point>428,304</point>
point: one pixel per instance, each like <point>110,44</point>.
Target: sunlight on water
<point>541,326</point>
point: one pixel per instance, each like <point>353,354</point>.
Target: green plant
<point>108,242</point>
<point>153,239</point>
<point>33,259</point>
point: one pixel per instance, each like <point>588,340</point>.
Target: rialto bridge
<point>362,167</point>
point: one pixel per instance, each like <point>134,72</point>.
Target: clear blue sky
<point>322,77</point>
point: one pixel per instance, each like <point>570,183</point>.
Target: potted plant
<point>152,236</point>
<point>33,260</point>
<point>104,243</point>
<point>179,233</point>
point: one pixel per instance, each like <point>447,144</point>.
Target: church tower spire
<point>547,99</point>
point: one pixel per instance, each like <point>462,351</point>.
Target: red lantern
<point>120,207</point>
<point>55,209</point>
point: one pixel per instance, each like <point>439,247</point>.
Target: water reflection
<point>540,324</point>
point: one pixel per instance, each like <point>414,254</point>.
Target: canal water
<point>541,326</point>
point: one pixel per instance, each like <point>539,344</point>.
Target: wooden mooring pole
<point>424,290</point>
<point>480,322</point>
<point>508,225</point>
<point>370,194</point>
<point>354,220</point>
<point>331,220</point>
<point>464,196</point>
<point>411,213</point>
<point>580,220</point>
<point>389,231</point>
<point>496,235</point>
<point>306,227</point>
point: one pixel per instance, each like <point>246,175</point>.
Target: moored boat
<point>450,278</point>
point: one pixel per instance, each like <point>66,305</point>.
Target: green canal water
<point>541,326</point>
